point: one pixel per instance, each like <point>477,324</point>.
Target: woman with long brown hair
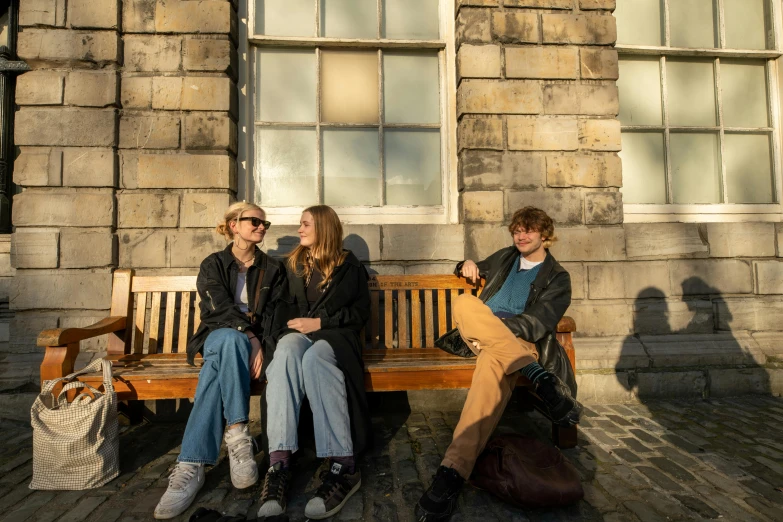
<point>321,358</point>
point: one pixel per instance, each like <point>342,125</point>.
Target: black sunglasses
<point>256,221</point>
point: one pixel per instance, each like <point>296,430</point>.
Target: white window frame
<point>446,213</point>
<point>716,212</point>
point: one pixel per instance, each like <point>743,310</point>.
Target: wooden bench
<point>152,317</point>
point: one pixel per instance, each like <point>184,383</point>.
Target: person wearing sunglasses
<point>319,358</point>
<point>242,293</point>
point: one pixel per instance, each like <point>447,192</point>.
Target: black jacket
<point>344,309</point>
<point>550,297</point>
<point>216,285</point>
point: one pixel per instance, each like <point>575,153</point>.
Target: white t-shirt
<point>524,264</point>
<point>240,297</point>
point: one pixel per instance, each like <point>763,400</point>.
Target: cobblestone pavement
<point>661,461</point>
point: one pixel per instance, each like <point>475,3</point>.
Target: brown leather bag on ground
<point>527,473</point>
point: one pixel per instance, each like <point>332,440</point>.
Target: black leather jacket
<point>550,297</point>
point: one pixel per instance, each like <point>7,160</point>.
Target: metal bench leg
<point>564,438</point>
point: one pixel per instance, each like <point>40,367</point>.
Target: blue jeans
<point>223,392</point>
<point>299,368</point>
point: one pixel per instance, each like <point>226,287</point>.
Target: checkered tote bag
<point>75,445</point>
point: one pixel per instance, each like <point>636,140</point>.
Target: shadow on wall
<point>353,242</point>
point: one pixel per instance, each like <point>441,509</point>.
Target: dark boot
<point>563,408</point>
<point>440,499</point>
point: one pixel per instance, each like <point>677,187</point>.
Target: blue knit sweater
<point>512,296</point>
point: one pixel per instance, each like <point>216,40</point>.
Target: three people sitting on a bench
<point>298,324</point>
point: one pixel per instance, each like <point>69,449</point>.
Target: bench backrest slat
<point>415,319</point>
<point>140,323</point>
<point>184,322</point>
<point>152,346</point>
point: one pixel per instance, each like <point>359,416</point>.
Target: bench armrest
<point>63,336</point>
<point>566,325</point>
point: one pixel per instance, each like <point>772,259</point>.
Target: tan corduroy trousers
<point>500,356</point>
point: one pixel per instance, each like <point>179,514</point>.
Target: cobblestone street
<point>660,461</point>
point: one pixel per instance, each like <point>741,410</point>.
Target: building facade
<point>426,123</point>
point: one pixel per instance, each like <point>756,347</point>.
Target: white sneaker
<point>184,483</point>
<point>241,446</point>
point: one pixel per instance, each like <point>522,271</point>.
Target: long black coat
<point>550,297</point>
<point>344,309</point>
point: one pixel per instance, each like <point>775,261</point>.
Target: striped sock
<point>533,371</point>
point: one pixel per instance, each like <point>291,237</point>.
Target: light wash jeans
<point>299,368</point>
<point>223,392</point>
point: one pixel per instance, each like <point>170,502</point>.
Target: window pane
<point>692,23</point>
<point>640,91</point>
<point>639,22</point>
<point>286,166</point>
<point>411,19</point>
<point>748,168</point>
<point>349,86</point>
<point>644,172</point>
<point>691,93</point>
<point>411,87</point>
<point>744,92</point>
<point>286,85</point>
<point>695,168</point>
<point>351,167</point>
<point>412,160</point>
<point>349,19</point>
<point>285,17</point>
<point>746,26</point>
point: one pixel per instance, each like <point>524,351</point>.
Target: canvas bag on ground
<point>75,445</point>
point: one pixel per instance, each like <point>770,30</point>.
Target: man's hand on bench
<point>470,271</point>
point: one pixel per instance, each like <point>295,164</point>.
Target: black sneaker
<point>274,492</point>
<point>437,503</point>
<point>563,408</point>
<point>337,486</point>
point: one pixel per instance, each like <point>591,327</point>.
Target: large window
<point>348,107</point>
<point>699,105</point>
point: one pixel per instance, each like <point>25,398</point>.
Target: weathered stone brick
<point>779,232</point>
<point>733,382</point>
<point>537,133</point>
<point>478,61</point>
<point>710,277</point>
<point>136,92</point>
<point>210,130</point>
<point>146,248</point>
<point>64,208</point>
<point>658,316</point>
<point>542,62</point>
<point>364,241</point>
<point>515,27</point>
<point>167,93</point>
<point>34,248</point>
<point>189,247</point>
<point>564,206</point>
<point>481,133</point>
<point>599,135</point>
<point>692,385</point>
<point>91,89</point>
<point>741,239</point>
<point>550,4</point>
<point>194,93</point>
<point>596,100</point>
<point>61,289</point>
<point>665,240</point>
<point>147,210</point>
<point>486,3</point>
<point>42,12</point>
<point>608,5</point>
<point>89,168</point>
<point>66,127</point>
<point>129,168</point>
<point>193,17</point>
<point>56,46</point>
<point>601,318</point>
<point>493,97</point>
<point>73,251</point>
<point>473,26</point>
<point>481,240</point>
<point>603,208</point>
<point>202,54</point>
<point>40,88</point>
<point>281,239</point>
<point>627,280</point>
<point>94,14</point>
<point>599,64</point>
<point>149,130</point>
<point>769,277</point>
<point>741,313</point>
<point>589,29</point>
<point>152,53</point>
<point>590,244</point>
<point>483,206</point>
<point>138,16</point>
<point>38,167</point>
<point>203,210</point>
<point>416,242</point>
<point>584,170</point>
<point>186,171</point>
<point>502,170</point>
